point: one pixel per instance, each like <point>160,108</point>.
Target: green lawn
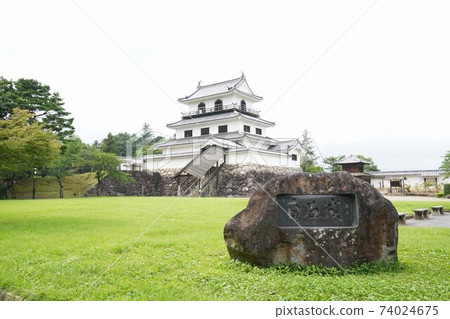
<point>407,207</point>
<point>55,249</point>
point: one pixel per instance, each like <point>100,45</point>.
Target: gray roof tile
<point>217,117</point>
<point>219,89</point>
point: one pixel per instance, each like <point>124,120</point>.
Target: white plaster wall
<point>163,162</point>
<point>209,102</point>
<point>410,180</point>
<point>179,160</point>
<point>226,99</point>
<point>261,158</point>
<point>233,125</point>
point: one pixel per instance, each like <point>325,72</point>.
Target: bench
<point>437,210</point>
<point>402,218</point>
<point>420,213</point>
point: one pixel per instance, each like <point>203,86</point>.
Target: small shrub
<point>439,195</point>
<point>426,186</point>
<point>446,189</point>
<point>2,192</point>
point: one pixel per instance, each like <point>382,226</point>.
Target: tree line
<point>309,158</point>
<point>37,137</point>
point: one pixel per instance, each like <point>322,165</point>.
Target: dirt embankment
<point>6,296</point>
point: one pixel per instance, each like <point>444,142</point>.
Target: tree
<point>308,160</point>
<point>24,146</point>
<point>146,132</point>
<point>445,166</point>
<point>123,138</point>
<point>110,144</point>
<point>44,105</point>
<point>106,165</point>
<point>69,162</point>
<point>371,167</point>
<point>126,144</point>
<point>145,141</point>
<point>330,160</point>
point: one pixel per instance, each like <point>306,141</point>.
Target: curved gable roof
<point>221,88</point>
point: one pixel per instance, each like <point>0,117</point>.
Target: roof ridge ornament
<point>199,84</point>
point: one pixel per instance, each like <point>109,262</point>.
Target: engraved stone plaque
<point>316,211</point>
<point>347,222</point>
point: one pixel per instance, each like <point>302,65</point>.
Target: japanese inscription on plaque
<point>316,211</point>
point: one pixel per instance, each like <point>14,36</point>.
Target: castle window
<point>204,131</point>
<point>223,128</point>
<point>258,131</point>
<point>247,128</point>
<point>294,157</point>
<point>201,108</point>
<point>218,105</point>
<point>188,133</point>
<point>243,105</point>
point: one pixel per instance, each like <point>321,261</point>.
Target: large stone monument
<point>333,219</point>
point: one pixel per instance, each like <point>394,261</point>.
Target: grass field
<point>56,249</point>
<point>407,207</point>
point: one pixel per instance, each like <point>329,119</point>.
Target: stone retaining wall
<point>244,180</point>
<point>234,181</point>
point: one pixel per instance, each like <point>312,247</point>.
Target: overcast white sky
<point>364,77</point>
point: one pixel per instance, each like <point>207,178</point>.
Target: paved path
<point>433,221</point>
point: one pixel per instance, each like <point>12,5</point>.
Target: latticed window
<point>218,105</point>
<point>201,108</point>
<point>204,131</point>
<point>243,105</point>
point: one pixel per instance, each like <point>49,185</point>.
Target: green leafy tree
<point>371,167</point>
<point>69,162</point>
<point>146,132</point>
<point>146,140</point>
<point>445,166</point>
<point>24,146</point>
<point>44,105</point>
<point>308,160</point>
<point>110,144</point>
<point>138,144</point>
<point>329,162</point>
<point>123,138</point>
<point>106,165</point>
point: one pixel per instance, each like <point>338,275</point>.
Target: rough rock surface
<point>243,180</point>
<point>255,235</point>
<point>144,184</point>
